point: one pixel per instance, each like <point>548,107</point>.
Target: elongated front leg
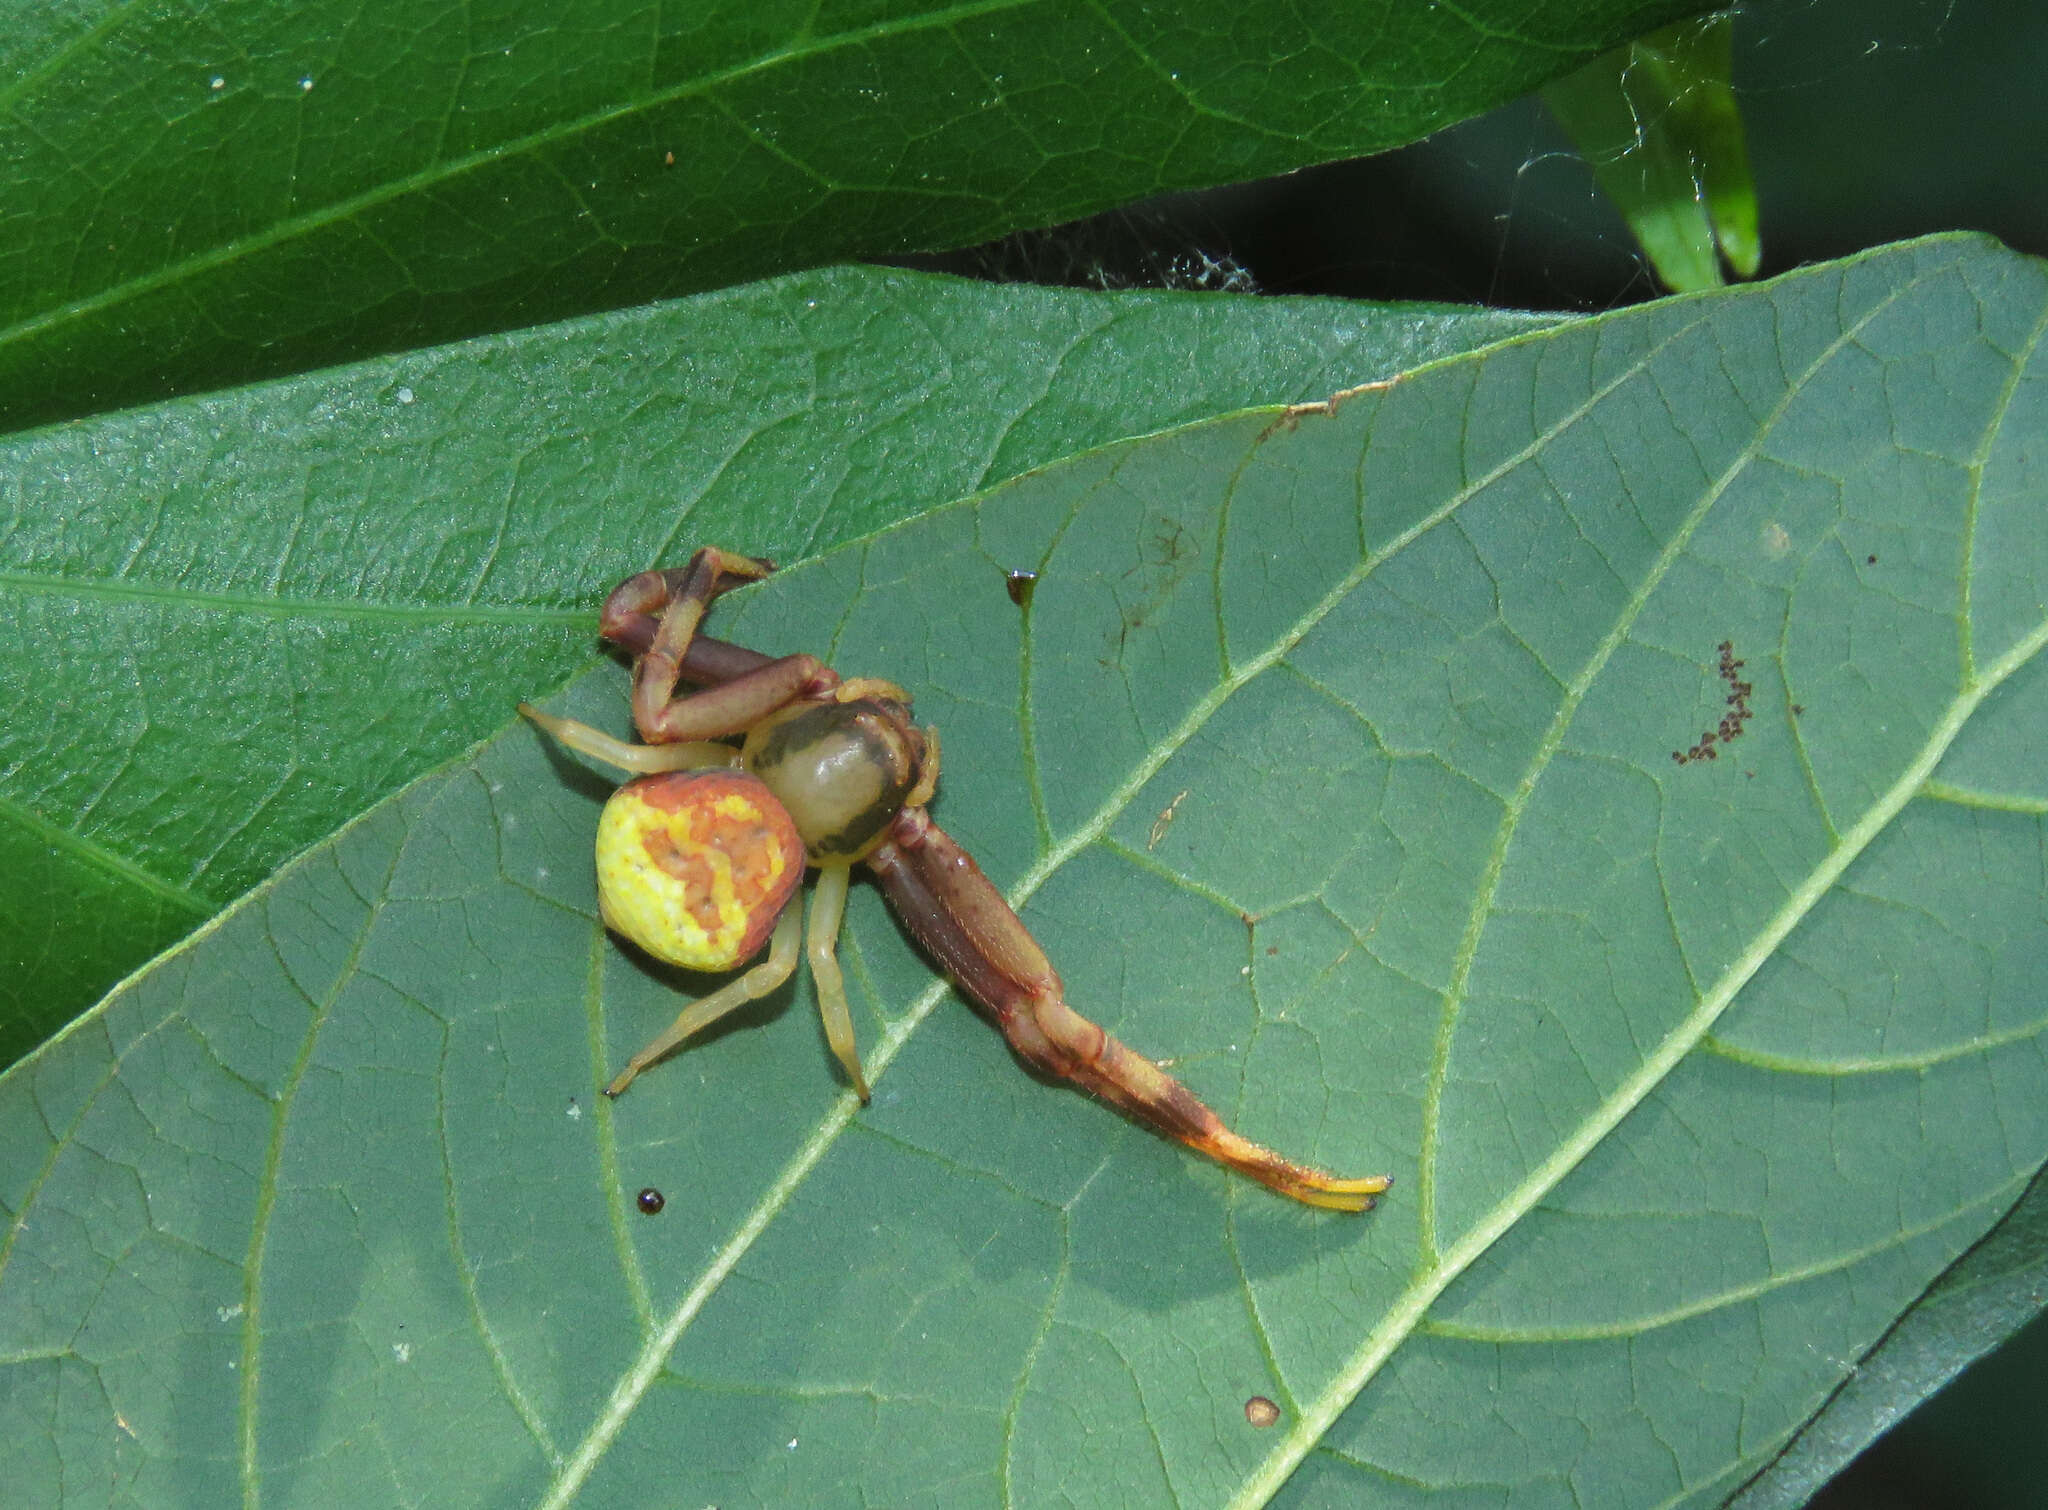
<point>676,600</point>
<point>784,948</point>
<point>959,916</point>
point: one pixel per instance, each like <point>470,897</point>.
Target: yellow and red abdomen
<point>696,866</point>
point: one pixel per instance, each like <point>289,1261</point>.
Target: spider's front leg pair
<point>841,763</point>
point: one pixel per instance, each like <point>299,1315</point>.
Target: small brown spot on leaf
<point>651,1201</point>
<point>1019,584</point>
<point>1261,1412</point>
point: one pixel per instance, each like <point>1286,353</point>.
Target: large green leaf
<point>239,620</point>
<point>1694,1075</point>
<point>195,195</point>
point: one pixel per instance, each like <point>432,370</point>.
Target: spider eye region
<point>696,866</point>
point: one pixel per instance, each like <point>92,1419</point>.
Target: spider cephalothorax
<point>699,859</point>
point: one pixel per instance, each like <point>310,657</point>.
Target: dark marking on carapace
<point>1019,584</point>
<point>864,728</point>
<point>650,1201</point>
<point>1738,714</point>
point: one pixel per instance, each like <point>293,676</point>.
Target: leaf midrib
<point>105,590</point>
<point>97,856</point>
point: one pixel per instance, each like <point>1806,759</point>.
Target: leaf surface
<point>1993,1291</point>
<point>234,622</point>
<point>204,194</point>
<point>1693,1075</point>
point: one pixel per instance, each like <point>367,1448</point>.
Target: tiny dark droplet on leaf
<point>1870,560</point>
<point>652,1200</point>
<point>1260,1411</point>
<point>1020,583</point>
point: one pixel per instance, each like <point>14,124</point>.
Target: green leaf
<point>1985,1298</point>
<point>242,619</point>
<point>199,195</point>
<point>1657,120</point>
<point>1694,1075</point>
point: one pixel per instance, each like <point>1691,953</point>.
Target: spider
<point>700,856</point>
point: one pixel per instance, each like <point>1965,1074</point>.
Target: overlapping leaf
<point>201,194</point>
<point>1693,1073</point>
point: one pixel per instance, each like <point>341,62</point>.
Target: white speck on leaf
<point>402,1351</point>
<point>405,395</point>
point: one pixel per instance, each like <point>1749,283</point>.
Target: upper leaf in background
<point>230,623</point>
<point>1657,120</point>
<point>1696,1073</point>
<point>197,195</point>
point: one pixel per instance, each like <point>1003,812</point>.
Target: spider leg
<point>960,917</point>
<point>675,600</point>
<point>828,909</point>
<point>644,759</point>
<point>784,947</point>
<point>928,772</point>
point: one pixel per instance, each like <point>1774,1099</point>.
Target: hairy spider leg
<point>963,921</point>
<point>784,947</point>
<point>828,910</point>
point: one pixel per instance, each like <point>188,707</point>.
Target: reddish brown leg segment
<point>959,916</point>
<point>673,602</point>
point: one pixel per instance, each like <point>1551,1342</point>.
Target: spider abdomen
<point>696,866</point>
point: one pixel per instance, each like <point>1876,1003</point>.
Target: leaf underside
<point>1692,1074</point>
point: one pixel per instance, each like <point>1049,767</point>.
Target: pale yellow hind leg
<point>828,910</point>
<point>784,948</point>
